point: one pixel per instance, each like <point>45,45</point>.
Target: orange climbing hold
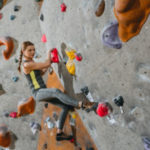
<point>8,42</point>
<point>5,137</point>
<point>131,15</point>
<point>26,107</point>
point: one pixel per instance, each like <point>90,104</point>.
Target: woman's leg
<point>62,118</point>
<point>64,112</point>
<point>48,94</point>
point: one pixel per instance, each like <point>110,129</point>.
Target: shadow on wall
<point>66,77</point>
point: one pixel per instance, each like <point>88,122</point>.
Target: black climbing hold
<point>46,105</point>
<point>85,90</point>
<point>12,17</point>
<point>42,17</point>
<point>16,8</point>
<point>45,146</point>
<point>119,101</point>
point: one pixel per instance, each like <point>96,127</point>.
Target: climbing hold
<point>26,106</point>
<point>5,137</point>
<point>15,79</point>
<point>42,17</point>
<point>70,65</point>
<point>1,90</point>
<point>49,122</point>
<point>54,56</point>
<point>70,53</point>
<point>16,60</point>
<point>46,105</point>
<point>1,16</point>
<point>72,121</point>
<point>45,146</point>
<point>43,39</point>
<point>16,8</point>
<point>78,57</point>
<point>6,114</point>
<point>100,8</point>
<point>110,36</point>
<point>55,116</point>
<point>87,93</point>
<point>12,17</point>
<point>131,16</point>
<point>35,127</point>
<point>119,101</point>
<point>1,4</point>
<point>72,140</point>
<point>102,110</point>
<point>13,115</point>
<point>63,7</point>
<point>8,42</point>
<point>146,142</point>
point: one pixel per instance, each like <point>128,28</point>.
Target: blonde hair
<point>23,47</point>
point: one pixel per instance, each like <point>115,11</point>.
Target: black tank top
<point>35,80</point>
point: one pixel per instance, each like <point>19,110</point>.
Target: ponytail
<point>20,61</point>
<point>24,46</point>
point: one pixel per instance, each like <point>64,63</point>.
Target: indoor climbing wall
<point>109,67</point>
<point>19,21</point>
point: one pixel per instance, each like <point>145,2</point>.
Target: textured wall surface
<point>24,27</point>
<point>107,72</point>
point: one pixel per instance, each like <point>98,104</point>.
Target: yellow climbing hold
<point>71,53</point>
<point>70,65</point>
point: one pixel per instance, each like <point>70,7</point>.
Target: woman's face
<point>29,51</point>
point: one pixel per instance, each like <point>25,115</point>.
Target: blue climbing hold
<point>12,17</point>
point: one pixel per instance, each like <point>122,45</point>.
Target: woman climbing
<point>33,72</point>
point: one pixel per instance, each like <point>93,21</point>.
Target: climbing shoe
<point>87,104</point>
<point>62,136</point>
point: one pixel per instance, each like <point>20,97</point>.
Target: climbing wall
<point>107,71</point>
<point>47,136</point>
<point>25,26</point>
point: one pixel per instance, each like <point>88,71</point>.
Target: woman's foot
<point>61,136</point>
<point>87,104</point>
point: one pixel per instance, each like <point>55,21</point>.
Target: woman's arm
<point>39,65</point>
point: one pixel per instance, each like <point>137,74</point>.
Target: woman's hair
<point>23,47</point>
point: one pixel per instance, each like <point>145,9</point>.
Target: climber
<point>33,72</point>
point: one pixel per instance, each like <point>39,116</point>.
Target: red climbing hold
<point>63,7</point>
<point>78,57</point>
<point>43,39</point>
<point>102,110</point>
<point>13,114</point>
<point>54,56</point>
<point>72,140</point>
